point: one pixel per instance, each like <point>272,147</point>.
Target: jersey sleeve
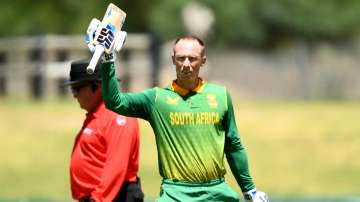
<point>122,143</point>
<point>234,150</point>
<point>128,104</point>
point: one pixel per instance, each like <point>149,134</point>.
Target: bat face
<point>111,24</point>
<point>107,33</point>
<point>106,36</point>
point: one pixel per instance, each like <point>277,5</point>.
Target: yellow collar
<point>183,91</point>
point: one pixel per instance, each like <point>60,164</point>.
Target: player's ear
<point>173,59</point>
<point>203,60</point>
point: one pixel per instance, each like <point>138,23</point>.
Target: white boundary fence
<point>36,66</point>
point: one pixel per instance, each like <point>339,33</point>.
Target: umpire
<point>105,157</point>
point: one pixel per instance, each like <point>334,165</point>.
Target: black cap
<point>79,75</point>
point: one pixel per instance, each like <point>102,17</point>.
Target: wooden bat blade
<point>115,16</point>
<point>109,28</point>
<point>111,24</point>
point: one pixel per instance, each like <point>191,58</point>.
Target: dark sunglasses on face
<point>76,89</point>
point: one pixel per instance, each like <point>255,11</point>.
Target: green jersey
<point>193,130</point>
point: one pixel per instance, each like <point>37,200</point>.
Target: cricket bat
<point>106,34</point>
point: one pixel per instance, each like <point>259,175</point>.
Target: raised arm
<point>128,104</point>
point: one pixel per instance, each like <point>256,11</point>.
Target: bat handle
<point>99,50</point>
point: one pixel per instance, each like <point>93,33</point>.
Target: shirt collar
<point>182,91</point>
<point>98,110</point>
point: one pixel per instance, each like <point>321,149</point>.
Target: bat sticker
<point>106,36</point>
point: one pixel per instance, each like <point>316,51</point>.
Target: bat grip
<point>99,50</point>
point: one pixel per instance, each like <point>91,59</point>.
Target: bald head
<point>192,39</point>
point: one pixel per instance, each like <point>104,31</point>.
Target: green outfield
<point>295,149</point>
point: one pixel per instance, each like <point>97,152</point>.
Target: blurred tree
<point>265,22</point>
<point>139,14</point>
<point>316,19</point>
<point>46,16</point>
<point>23,17</point>
<point>237,22</point>
<point>166,18</point>
<point>256,23</point>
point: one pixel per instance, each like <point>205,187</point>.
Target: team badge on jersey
<point>120,120</point>
<point>212,101</point>
<point>172,101</point>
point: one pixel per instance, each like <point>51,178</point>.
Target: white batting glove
<point>119,42</point>
<point>116,44</point>
<point>255,196</point>
<point>90,34</point>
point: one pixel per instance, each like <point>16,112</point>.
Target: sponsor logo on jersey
<point>172,101</point>
<point>212,102</point>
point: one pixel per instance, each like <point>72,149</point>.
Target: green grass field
<point>295,149</point>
